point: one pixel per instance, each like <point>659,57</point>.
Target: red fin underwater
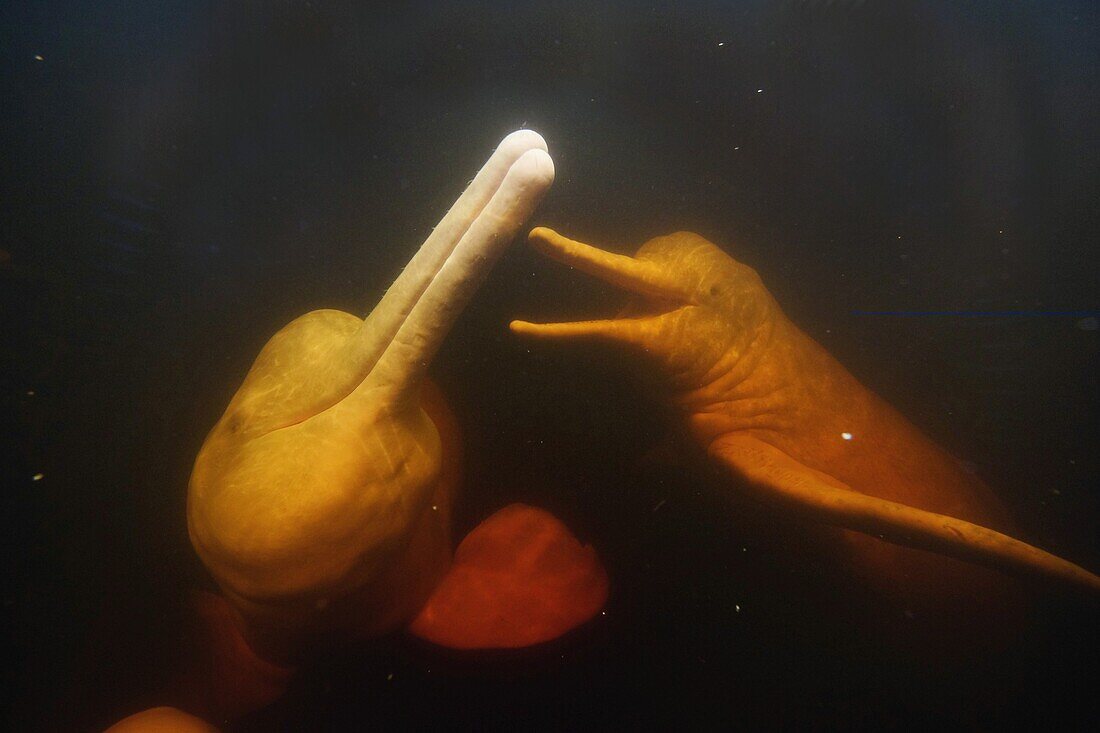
<point>519,578</point>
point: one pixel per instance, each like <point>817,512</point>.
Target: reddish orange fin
<point>520,578</point>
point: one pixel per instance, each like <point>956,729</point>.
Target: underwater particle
<point>1088,324</point>
<point>759,91</point>
<point>389,677</point>
<point>38,477</point>
<point>737,607</point>
<point>846,436</point>
<point>38,57</point>
<point>721,43</point>
<point>30,393</point>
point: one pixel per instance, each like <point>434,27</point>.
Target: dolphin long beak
<point>631,274</point>
<point>402,334</point>
<point>637,276</point>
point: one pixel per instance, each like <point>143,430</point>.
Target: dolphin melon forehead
<point>325,461</point>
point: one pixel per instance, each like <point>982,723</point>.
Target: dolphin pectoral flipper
<point>518,579</point>
<point>774,477</point>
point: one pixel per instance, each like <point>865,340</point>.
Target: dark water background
<point>182,179</point>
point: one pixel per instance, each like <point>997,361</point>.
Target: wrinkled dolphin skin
<point>797,430</point>
<point>311,500</point>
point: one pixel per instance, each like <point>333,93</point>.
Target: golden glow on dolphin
<point>789,421</point>
<point>319,479</point>
<point>162,720</point>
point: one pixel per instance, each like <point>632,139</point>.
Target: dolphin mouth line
<point>395,343</point>
<point>653,294</point>
<point>343,352</point>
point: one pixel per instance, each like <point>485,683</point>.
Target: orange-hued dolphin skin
<point>315,490</point>
<point>519,579</point>
<point>793,425</point>
<point>162,720</point>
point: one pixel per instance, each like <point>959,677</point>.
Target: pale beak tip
<point>534,169</point>
<point>522,140</point>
